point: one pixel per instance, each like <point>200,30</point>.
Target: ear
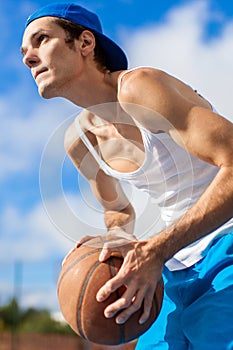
<point>86,42</point>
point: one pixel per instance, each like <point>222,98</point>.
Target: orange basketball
<point>81,277</point>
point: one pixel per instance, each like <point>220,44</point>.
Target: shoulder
<point>158,90</point>
<point>138,78</point>
<point>143,72</point>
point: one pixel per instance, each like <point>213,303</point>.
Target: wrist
<point>160,247</point>
<point>120,232</point>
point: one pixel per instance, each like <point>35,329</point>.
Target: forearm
<point>212,210</point>
<point>124,219</point>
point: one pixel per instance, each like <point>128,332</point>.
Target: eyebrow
<point>23,50</point>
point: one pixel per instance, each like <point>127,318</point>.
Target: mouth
<point>37,73</point>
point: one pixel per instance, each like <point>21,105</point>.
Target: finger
<point>108,249</point>
<point>104,254</point>
<point>84,239</point>
<point>109,287</point>
<point>147,305</point>
<point>135,305</point>
<point>126,302</point>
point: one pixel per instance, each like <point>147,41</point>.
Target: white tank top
<point>174,179</point>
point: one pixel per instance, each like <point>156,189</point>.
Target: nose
<point>31,58</point>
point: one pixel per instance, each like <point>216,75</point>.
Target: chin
<point>47,97</point>
<point>46,92</point>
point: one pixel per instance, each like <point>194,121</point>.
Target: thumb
<point>104,254</point>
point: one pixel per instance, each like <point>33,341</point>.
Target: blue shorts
<point>197,311</point>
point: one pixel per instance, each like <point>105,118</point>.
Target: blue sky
<point>192,40</point>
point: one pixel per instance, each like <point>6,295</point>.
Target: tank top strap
<point>89,145</point>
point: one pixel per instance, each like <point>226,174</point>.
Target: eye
<point>41,38</point>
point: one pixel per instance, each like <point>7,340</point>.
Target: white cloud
<point>22,139</point>
<point>30,236</point>
<point>178,46</point>
<point>41,298</point>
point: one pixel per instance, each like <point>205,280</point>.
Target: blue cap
<point>116,58</point>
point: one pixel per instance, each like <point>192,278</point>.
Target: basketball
<point>81,277</point>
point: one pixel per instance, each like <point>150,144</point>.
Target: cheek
<point>62,59</point>
<point>52,54</point>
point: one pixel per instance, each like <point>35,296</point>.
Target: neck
<point>93,88</point>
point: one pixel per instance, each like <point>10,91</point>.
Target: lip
<point>35,75</point>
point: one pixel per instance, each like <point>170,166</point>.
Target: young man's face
<point>53,64</point>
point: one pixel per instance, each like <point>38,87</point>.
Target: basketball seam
<point>79,313</point>
<point>121,326</point>
<point>74,263</point>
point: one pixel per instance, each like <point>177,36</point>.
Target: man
<point>155,132</point>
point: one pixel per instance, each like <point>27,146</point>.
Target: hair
<point>73,31</point>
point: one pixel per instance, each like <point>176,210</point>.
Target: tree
<point>10,315</point>
<point>12,318</point>
<point>40,321</point>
